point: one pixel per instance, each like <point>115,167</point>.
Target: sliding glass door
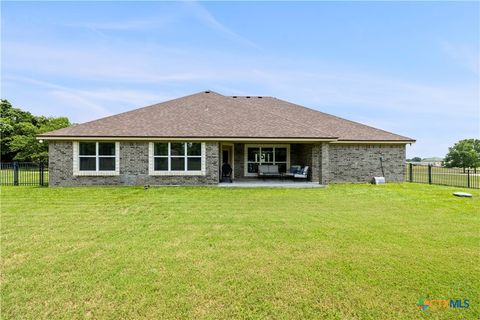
<point>266,154</point>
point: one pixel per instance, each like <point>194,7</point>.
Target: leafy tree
<point>464,154</point>
<point>18,131</point>
<point>416,159</point>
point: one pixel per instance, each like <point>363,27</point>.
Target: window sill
<point>177,173</point>
<point>95,173</point>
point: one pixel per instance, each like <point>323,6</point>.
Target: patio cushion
<point>268,170</point>
<point>295,169</point>
<point>273,169</point>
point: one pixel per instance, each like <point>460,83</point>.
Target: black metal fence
<point>23,174</point>
<point>455,177</point>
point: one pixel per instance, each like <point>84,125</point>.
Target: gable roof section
<point>211,115</point>
<point>345,130</point>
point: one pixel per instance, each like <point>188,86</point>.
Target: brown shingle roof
<point>211,115</point>
<point>338,127</point>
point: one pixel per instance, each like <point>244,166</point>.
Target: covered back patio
<point>246,158</point>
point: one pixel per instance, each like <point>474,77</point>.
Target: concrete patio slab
<point>269,184</point>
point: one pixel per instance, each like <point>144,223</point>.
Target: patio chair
<point>293,170</point>
<point>303,174</point>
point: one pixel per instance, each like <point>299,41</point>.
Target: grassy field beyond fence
<point>468,178</point>
<point>340,252</point>
<point>27,173</point>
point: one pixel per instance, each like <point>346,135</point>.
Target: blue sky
<point>411,68</point>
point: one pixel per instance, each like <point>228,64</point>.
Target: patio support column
<point>324,174</point>
<point>315,161</point>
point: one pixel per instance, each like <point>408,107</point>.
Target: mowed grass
<point>341,252</point>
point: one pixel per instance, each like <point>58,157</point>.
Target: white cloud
<point>465,55</point>
<point>370,91</point>
<point>130,25</point>
<point>161,19</point>
<point>88,104</point>
<point>200,12</point>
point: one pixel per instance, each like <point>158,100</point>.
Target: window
<point>177,157</point>
<point>266,154</point>
<point>161,157</point>
<point>96,158</point>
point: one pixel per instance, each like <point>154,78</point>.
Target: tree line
<point>463,154</point>
<point>18,131</point>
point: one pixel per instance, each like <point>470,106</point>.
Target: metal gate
<point>23,174</point>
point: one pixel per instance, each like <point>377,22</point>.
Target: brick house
<point>185,141</point>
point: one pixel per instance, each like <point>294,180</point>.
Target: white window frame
<point>249,174</point>
<point>169,172</point>
<point>97,172</point>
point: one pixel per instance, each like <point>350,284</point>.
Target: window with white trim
<point>96,158</point>
<point>178,157</point>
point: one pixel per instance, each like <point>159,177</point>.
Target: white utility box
<point>378,180</point>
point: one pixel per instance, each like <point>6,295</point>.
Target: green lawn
<point>341,252</point>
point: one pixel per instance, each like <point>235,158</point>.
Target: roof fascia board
<point>73,138</point>
<point>373,141</point>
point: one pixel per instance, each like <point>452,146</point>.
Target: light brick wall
<point>360,162</point>
<point>329,163</point>
<point>133,167</point>
<point>324,164</point>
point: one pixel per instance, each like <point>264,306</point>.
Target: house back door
<point>227,157</point>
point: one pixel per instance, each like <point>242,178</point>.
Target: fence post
<point>410,168</point>
<point>468,178</point>
<point>429,174</point>
<point>15,173</point>
<point>41,170</point>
